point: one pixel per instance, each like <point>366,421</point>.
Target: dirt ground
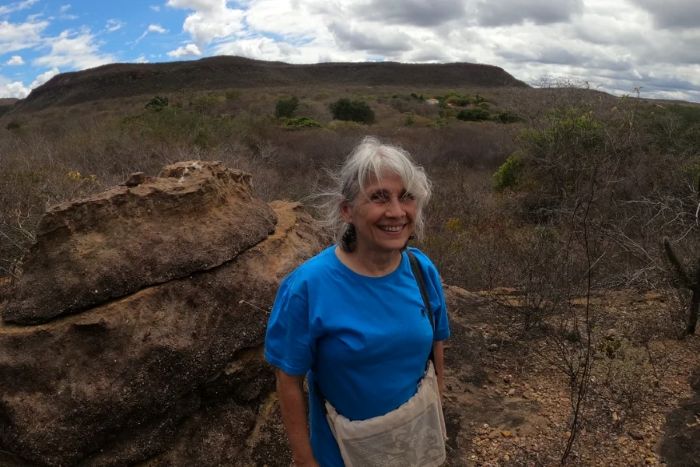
<point>508,402</point>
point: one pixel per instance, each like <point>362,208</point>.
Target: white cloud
<point>64,8</point>
<point>114,25</point>
<point>185,50</point>
<point>13,89</point>
<point>157,28</point>
<point>18,36</point>
<point>17,6</point>
<point>141,59</point>
<point>77,51</point>
<point>212,19</point>
<point>15,60</point>
<point>155,8</point>
<point>44,77</point>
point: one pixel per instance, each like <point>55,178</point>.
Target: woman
<point>352,319</point>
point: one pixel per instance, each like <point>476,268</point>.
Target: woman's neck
<point>370,263</point>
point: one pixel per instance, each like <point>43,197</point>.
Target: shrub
<point>507,117</point>
<point>509,173</point>
<point>13,125</point>
<point>298,123</point>
<point>473,115</point>
<point>286,107</point>
<point>356,111</point>
<point>157,104</point>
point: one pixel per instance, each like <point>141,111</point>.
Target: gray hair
<point>370,160</point>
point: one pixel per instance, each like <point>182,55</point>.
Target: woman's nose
<point>394,208</point>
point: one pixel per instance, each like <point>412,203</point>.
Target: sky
<point>618,46</point>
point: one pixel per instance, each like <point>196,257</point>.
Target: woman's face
<point>383,215</point>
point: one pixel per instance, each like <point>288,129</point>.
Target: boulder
<point>166,367</point>
<point>193,217</point>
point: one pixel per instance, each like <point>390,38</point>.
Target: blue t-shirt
<point>363,340</point>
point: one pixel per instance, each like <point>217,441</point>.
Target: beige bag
<point>412,435</point>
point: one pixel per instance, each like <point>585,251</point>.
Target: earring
<point>349,238</point>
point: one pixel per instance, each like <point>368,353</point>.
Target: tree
<point>356,111</point>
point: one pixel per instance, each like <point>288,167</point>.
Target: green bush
<point>286,107</point>
<point>473,115</point>
<point>157,104</point>
<point>356,111</point>
<point>13,125</point>
<point>507,117</point>
<point>509,173</point>
<point>298,123</point>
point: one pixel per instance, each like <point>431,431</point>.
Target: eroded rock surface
<point>194,216</point>
<point>171,373</point>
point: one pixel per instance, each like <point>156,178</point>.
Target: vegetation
<point>352,110</point>
<point>473,115</point>
<point>286,107</point>
<point>566,206</point>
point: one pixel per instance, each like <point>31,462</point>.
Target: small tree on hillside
<point>286,107</point>
<point>356,111</point>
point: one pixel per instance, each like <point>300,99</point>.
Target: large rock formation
<point>163,363</point>
<point>193,217</point>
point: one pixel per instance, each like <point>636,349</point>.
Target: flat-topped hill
<point>123,80</point>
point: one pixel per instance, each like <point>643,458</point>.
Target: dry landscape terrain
<point>564,221</point>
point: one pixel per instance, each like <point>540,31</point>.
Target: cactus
<point>689,280</point>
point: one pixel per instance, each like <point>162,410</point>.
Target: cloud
<point>259,48</point>
<point>44,77</point>
<point>156,28</point>
<point>509,12</point>
<point>18,36</point>
<point>185,50</point>
<point>411,12</point>
<point>155,8</point>
<point>15,60</point>
<point>114,25</point>
<point>14,89</point>
<point>77,51</point>
<point>374,40</point>
<point>17,6</point>
<point>141,59</point>
<point>672,13</point>
<point>211,19</point>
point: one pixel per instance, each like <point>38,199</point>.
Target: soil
<point>508,401</point>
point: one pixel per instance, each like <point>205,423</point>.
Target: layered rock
<point>193,217</point>
<point>170,371</point>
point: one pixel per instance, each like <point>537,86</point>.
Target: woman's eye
<point>379,197</point>
<point>408,197</point>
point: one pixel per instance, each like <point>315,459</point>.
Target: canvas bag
<point>413,435</point>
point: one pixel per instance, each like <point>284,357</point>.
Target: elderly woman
<point>353,320</point>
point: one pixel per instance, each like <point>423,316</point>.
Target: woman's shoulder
<point>314,267</point>
<point>422,258</point>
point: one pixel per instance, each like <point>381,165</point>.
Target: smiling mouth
<point>391,228</point>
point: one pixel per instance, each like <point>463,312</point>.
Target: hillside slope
<point>123,80</point>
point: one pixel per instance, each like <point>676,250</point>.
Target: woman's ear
<point>346,211</point>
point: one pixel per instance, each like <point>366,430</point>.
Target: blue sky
<point>617,46</point>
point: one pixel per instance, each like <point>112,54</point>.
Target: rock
<point>171,373</point>
<point>636,435</point>
<point>511,392</point>
<point>195,216</point>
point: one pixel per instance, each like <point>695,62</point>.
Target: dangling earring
<point>349,238</point>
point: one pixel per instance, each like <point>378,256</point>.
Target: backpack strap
<point>420,279</point>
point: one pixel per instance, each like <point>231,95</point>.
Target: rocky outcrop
<point>193,217</point>
<point>165,368</point>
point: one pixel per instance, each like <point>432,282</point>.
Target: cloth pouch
<point>412,435</point>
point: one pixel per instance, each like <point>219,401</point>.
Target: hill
<point>124,80</point>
